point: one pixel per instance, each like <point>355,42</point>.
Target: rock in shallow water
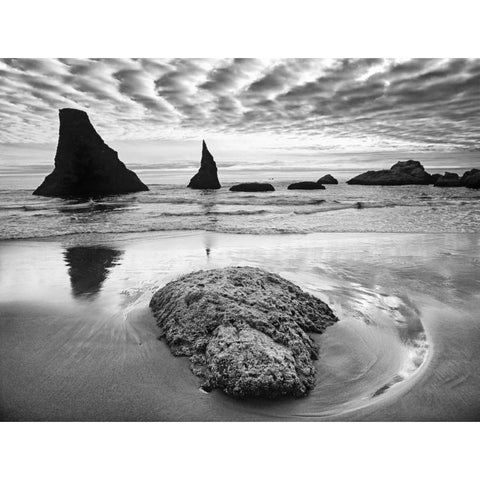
<point>244,330</point>
<point>410,172</point>
<point>448,180</point>
<point>252,187</point>
<point>471,179</point>
<point>328,180</point>
<point>306,186</point>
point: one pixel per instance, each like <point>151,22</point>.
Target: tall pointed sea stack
<point>85,164</point>
<point>206,177</point>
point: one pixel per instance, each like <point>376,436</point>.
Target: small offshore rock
<point>328,180</point>
<point>252,187</point>
<point>306,186</point>
<point>448,180</point>
<point>435,177</point>
<point>471,178</point>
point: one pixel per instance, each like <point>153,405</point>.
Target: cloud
<point>231,75</point>
<point>327,103</point>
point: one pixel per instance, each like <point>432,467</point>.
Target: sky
<point>283,113</point>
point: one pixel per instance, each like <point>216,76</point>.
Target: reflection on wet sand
<point>208,207</point>
<point>89,267</point>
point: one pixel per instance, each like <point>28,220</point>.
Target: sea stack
<point>328,180</point>
<point>84,164</point>
<point>410,172</point>
<point>244,330</point>
<point>206,177</point>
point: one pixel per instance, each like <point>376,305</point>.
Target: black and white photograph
<point>269,240</point>
<point>240,239</point>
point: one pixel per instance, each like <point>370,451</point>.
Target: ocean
<point>172,206</point>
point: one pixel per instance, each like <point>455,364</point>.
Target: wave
<point>158,228</point>
<point>280,212</point>
<point>340,206</point>
<point>68,207</point>
<point>206,214</point>
<point>250,200</point>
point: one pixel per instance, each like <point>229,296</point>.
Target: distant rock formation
<point>89,267</point>
<point>306,186</point>
<point>84,164</point>
<point>244,330</point>
<point>252,187</point>
<point>328,180</point>
<point>448,180</point>
<point>410,172</point>
<point>471,179</point>
<point>435,177</point>
<point>206,177</point>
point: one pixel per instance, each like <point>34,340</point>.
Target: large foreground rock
<point>448,180</point>
<point>306,186</point>
<point>410,172</point>
<point>206,177</point>
<point>84,164</point>
<point>328,180</point>
<point>244,330</point>
<point>252,187</point>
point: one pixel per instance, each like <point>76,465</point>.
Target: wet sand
<point>78,342</point>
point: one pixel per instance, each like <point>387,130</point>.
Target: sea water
<point>338,208</point>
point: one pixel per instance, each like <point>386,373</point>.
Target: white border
<point>259,28</point>
<point>239,451</point>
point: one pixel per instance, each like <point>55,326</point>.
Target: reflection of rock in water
<point>208,242</point>
<point>89,267</point>
<point>208,207</point>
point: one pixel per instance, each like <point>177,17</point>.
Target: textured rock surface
<point>306,186</point>
<point>328,180</point>
<point>252,187</point>
<point>410,172</point>
<point>244,330</point>
<point>206,177</point>
<point>84,164</point>
<point>448,180</point>
<point>471,179</point>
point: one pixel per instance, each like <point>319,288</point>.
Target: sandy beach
<point>78,341</point>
